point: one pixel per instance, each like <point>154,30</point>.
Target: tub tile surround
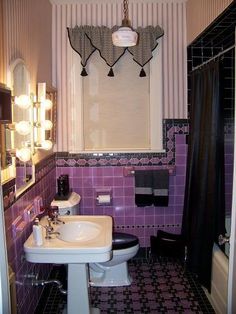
<point>28,296</point>
<point>88,173</point>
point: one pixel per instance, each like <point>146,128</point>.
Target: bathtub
<point>218,295</point>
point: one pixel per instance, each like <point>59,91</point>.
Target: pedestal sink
<point>81,240</point>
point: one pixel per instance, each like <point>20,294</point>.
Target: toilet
<point>68,207</point>
<point>114,272</point>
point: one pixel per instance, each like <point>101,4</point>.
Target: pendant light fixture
<point>125,36</point>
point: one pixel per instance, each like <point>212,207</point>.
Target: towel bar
<point>130,170</point>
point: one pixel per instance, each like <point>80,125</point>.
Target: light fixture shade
<point>24,154</point>
<point>124,37</point>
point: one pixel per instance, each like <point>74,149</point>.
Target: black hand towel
<point>160,187</point>
<point>143,188</point>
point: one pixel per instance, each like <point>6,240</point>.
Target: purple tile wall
<point>87,175</point>
<point>140,221</point>
<point>28,296</point>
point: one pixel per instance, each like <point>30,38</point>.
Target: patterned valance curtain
<point>86,39</point>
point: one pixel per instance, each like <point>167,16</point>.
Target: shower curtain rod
<point>209,60</point>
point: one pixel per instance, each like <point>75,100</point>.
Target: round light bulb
<point>47,144</point>
<point>23,154</point>
<point>23,127</point>
<point>47,125</point>
<point>23,101</point>
<point>47,104</point>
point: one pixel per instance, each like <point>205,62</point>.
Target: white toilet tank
<point>68,207</point>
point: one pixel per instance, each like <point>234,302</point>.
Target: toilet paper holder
<point>103,197</point>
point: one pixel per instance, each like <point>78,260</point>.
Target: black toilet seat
<point>123,240</point>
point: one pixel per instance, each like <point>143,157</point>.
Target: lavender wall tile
<point>119,221</point>
<point>180,139</point>
<point>26,293</point>
<point>129,221</point>
<point>126,214</point>
<point>180,170</point>
<point>181,160</point>
<point>179,190</point>
<point>118,201</point>
<point>180,180</point>
<point>179,201</point>
<point>119,211</point>
<point>98,181</point>
<point>129,201</point>
<point>180,149</point>
<point>108,181</point>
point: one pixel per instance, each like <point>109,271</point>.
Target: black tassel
<point>142,73</point>
<point>83,72</point>
<point>111,73</point>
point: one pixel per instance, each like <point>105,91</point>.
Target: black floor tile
<point>158,287</point>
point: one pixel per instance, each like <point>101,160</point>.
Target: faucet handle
<point>49,224</point>
<point>55,214</point>
<point>48,231</point>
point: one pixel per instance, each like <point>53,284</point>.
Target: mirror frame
<point>11,172</point>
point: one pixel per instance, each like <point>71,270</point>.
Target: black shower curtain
<point>204,204</point>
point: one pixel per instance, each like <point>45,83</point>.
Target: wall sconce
<point>34,129</point>
<point>41,118</point>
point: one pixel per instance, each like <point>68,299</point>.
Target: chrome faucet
<point>49,232</point>
<point>55,219</point>
<point>49,227</point>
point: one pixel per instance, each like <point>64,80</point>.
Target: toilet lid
<point>123,240</point>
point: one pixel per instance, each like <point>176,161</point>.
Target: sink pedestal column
<point>77,295</point>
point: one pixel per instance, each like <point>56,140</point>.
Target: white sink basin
<point>82,239</point>
<point>78,231</point>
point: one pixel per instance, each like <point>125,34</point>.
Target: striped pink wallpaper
<point>27,35</point>
<point>169,14</point>
<point>201,13</point>
<point>2,54</point>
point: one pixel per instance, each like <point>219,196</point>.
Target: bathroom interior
<point>39,58</point>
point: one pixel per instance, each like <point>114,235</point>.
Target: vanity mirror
<point>5,117</point>
<point>32,126</point>
<point>20,132</point>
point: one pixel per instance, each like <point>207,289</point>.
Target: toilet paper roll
<point>104,199</point>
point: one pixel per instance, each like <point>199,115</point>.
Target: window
<point>116,114</point>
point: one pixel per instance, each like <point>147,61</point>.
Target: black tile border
<point>166,159</point>
<point>171,127</point>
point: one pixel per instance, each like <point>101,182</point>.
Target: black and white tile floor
<point>158,287</point>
